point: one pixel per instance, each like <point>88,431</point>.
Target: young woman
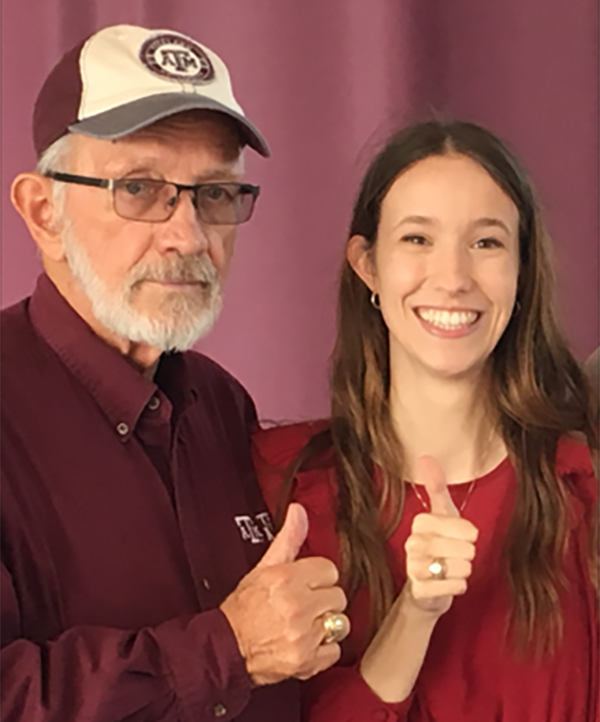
<point>452,484</point>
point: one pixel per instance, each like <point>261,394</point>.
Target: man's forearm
<point>188,666</point>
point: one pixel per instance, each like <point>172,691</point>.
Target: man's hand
<point>439,534</point>
<point>276,612</point>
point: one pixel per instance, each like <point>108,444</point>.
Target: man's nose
<point>183,232</point>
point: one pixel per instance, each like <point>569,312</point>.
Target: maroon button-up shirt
<point>130,510</point>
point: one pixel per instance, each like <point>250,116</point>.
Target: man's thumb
<point>286,545</point>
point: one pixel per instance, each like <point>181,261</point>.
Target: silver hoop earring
<point>375,301</point>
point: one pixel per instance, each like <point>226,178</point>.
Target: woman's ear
<point>359,253</point>
<point>31,195</point>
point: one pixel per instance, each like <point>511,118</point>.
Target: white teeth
<point>449,320</point>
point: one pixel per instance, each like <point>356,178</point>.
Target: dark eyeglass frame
<point>112,185</point>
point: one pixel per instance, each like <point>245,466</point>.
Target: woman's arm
<point>394,658</point>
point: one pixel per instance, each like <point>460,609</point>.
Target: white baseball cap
<point>125,77</point>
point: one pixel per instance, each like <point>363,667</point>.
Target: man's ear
<point>359,254</point>
<point>31,195</point>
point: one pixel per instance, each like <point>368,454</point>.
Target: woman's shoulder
<point>574,465</point>
<point>280,445</point>
<point>314,485</point>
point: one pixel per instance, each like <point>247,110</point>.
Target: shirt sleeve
<point>188,669</point>
<point>340,694</point>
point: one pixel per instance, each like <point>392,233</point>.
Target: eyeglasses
<point>155,201</point>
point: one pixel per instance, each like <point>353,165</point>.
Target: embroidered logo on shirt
<point>257,529</point>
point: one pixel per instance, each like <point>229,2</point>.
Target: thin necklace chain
<point>460,508</point>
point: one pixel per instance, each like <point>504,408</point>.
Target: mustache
<point>181,269</point>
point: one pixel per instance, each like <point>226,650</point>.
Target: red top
<point>130,510</point>
<point>469,674</point>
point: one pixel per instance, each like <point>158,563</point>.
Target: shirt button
<point>122,429</point>
<point>206,584</point>
<point>219,710</point>
<point>154,403</point>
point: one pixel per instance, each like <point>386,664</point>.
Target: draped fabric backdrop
<point>326,81</point>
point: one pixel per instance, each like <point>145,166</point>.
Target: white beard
<point>182,318</point>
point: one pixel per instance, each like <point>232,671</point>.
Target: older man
<point>135,583</point>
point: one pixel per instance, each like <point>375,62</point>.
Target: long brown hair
<point>538,390</point>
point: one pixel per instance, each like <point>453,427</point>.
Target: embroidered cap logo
<point>176,58</point>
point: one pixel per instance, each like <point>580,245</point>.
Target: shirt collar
<point>120,390</point>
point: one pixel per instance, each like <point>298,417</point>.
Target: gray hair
<point>56,158</point>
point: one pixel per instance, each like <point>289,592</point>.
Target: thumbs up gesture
<point>286,545</point>
<point>277,610</point>
<point>441,547</point>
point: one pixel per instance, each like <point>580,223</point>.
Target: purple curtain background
<point>326,81</point>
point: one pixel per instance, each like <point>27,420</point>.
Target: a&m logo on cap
<point>176,58</point>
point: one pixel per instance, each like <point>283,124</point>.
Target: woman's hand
<point>439,535</point>
<point>394,657</point>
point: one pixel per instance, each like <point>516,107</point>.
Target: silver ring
<point>438,568</point>
<point>336,626</point>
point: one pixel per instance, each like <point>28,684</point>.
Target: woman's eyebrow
<point>422,220</point>
<point>491,223</point>
<point>485,222</point>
